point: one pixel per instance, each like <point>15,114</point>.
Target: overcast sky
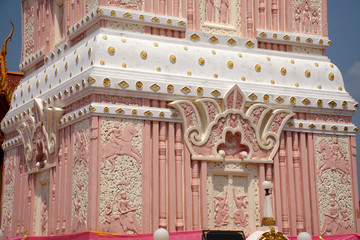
<point>344,31</point>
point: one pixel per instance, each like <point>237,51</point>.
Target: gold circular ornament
<point>243,78</point>
<point>143,54</point>
<point>316,64</point>
<point>216,75</point>
<point>230,64</point>
<point>156,44</point>
<point>272,82</point>
<point>111,50</point>
<point>106,110</point>
<point>268,58</point>
<point>158,69</point>
<point>124,65</point>
<point>307,73</point>
<point>340,88</point>
<point>189,73</point>
<point>292,61</point>
<point>107,82</point>
<point>331,65</point>
<point>266,97</point>
<point>104,37</point>
<point>331,76</point>
<point>283,71</point>
<point>185,48</point>
<point>123,40</point>
<point>240,55</point>
<point>200,90</point>
<point>319,86</point>
<point>102,62</point>
<point>139,85</point>
<point>172,58</point>
<point>201,61</point>
<point>113,13</point>
<point>296,84</point>
<point>213,52</point>
<point>170,88</point>
<point>257,68</point>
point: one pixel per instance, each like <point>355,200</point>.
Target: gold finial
<point>3,69</point>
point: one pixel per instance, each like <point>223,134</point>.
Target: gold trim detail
<point>156,44</point>
<point>216,75</point>
<point>356,129</point>
<point>155,19</point>
<point>340,88</point>
<point>77,86</point>
<point>162,114</point>
<point>321,41</point>
<point>185,90</point>
<point>253,96</point>
<point>290,124</point>
<point>181,23</point>
<point>268,58</point>
<point>91,80</point>
<point>279,99</point>
<point>216,93</point>
<point>268,221</point>
<point>312,126</point>
<point>213,39</point>
<point>124,65</point>
<point>99,10</point>
<point>257,68</point>
<point>307,73</point>
<point>194,37</point>
<point>292,61</point>
<point>148,113</point>
<point>275,36</point>
<point>230,64</point>
<point>170,88</point>
<point>272,81</point>
<point>309,40</point>
<point>344,104</point>
<point>266,97</point>
<point>141,17</point>
<point>139,85</point>
<point>172,58</point>
<point>155,87</point>
<point>169,21</point>
<point>319,103</point>
<point>346,129</point>
<point>286,37</point>
<point>293,100</point>
<point>334,128</point>
<point>143,54</point>
<point>298,39</point>
<point>231,41</point>
<point>240,55</point>
<point>174,115</point>
<point>330,42</point>
<point>123,84</point>
<point>297,84</point>
<point>200,91</point>
<point>332,104</point>
<point>158,69</point>
<point>213,52</point>
<point>102,62</point>
<point>272,234</point>
<point>113,13</point>
<point>134,112</point>
<point>263,34</point>
<point>201,61</point>
<point>123,40</point>
<point>316,64</point>
<point>91,108</point>
<point>249,44</point>
<point>331,76</point>
<point>283,71</point>
<point>306,101</point>
<point>356,106</point>
<point>107,82</point>
<point>106,110</point>
<point>111,50</point>
<point>301,125</point>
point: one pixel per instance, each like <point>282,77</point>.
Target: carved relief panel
<point>41,209</point>
<point>8,192</point>
<point>28,19</point>
<point>334,184</point>
<point>120,176</point>
<point>307,16</point>
<point>220,17</point>
<point>128,4</point>
<point>233,197</point>
<point>80,176</point>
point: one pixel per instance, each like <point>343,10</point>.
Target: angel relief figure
<point>81,154</point>
<point>120,144</point>
<point>239,215</point>
<point>221,208</point>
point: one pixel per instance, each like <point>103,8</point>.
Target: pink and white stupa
<point>139,114</point>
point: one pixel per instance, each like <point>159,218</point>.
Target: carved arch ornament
<point>215,132</point>
<point>39,134</point>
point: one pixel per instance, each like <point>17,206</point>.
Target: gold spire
<point>3,70</point>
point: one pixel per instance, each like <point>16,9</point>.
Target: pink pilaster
<point>268,14</point>
<point>176,8</point>
<point>305,180</point>
<point>146,167</point>
<point>203,197</point>
<point>243,18</point>
<point>274,15</point>
<point>23,189</point>
<point>190,14</point>
<point>313,186</point>
<point>69,181</point>
<point>195,168</point>
<point>17,182</point>
<point>249,19</point>
<point>282,15</point>
<point>58,186</point>
<point>64,179</point>
<point>155,171</point>
<point>187,186</point>
<point>352,150</point>
<point>32,201</point>
<point>52,200</point>
<point>162,10</point>
<point>26,202</point>
<point>298,185</point>
<point>196,16</point>
<point>171,178</point>
<point>288,17</point>
<point>277,191</point>
<point>324,25</point>
<point>261,174</point>
<point>179,179</point>
<point>93,192</point>
<point>284,196</point>
<point>262,14</point>
<point>162,173</point>
<point>291,183</point>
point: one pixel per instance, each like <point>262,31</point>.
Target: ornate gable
<point>230,132</point>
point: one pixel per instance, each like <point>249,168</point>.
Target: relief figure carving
<point>224,8</point>
<point>120,144</point>
<point>82,150</point>
<point>79,222</point>
<point>333,159</point>
<point>9,174</point>
<point>43,219</point>
<point>241,204</point>
<point>221,208</point>
<point>306,18</point>
<point>210,10</point>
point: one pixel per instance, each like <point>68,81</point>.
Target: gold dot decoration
<point>216,75</point>
<point>293,100</point>
<point>139,85</point>
<point>316,64</point>
<point>106,110</point>
<point>66,65</point>
<point>213,52</point>
<point>340,88</point>
<point>230,64</point>
<point>266,97</point>
<point>113,13</point>
<point>158,69</point>
<point>143,54</point>
<point>111,50</point>
<point>200,90</point>
<point>104,37</point>
<point>185,48</point>
<point>156,44</point>
<point>331,65</point>
<point>107,82</point>
<point>301,125</point>
<point>283,71</point>
<point>268,58</point>
<point>123,40</point>
<point>189,73</point>
<point>170,88</point>
<point>240,55</point>
<point>307,73</point>
<point>172,58</point>
<point>124,65</point>
<point>272,81</point>
<point>257,68</point>
<point>296,84</point>
<point>102,62</point>
<point>319,103</point>
<point>331,76</point>
<point>243,78</point>
<point>201,61</point>
<point>319,86</point>
<point>292,61</point>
